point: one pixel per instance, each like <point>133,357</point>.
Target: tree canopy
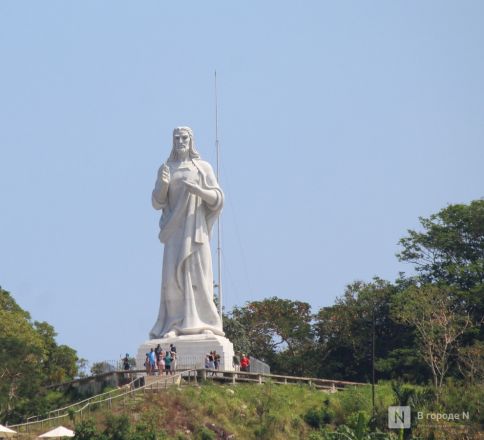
<point>30,359</point>
<point>426,326</point>
<point>450,248</point>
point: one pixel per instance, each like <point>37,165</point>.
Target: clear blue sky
<point>341,123</point>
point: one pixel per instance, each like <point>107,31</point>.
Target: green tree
<point>277,331</point>
<point>21,347</point>
<point>236,332</point>
<point>449,253</point>
<point>345,331</point>
<point>101,368</point>
<point>439,324</point>
<point>30,359</point>
<point>59,361</point>
<point>82,365</point>
<point>450,250</point>
<point>471,362</point>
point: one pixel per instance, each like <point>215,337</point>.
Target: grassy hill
<point>244,411</point>
<point>276,412</point>
<point>270,411</point>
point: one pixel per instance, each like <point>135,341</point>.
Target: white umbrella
<point>58,432</point>
<point>6,432</point>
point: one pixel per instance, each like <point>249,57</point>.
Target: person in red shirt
<point>244,363</point>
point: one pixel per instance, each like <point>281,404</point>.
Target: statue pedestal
<point>191,350</point>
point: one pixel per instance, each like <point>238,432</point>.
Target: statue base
<point>191,350</point>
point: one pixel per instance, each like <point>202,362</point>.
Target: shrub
<point>358,420</point>
<point>316,436</point>
<point>317,417</point>
<point>210,410</point>
<point>71,412</point>
<point>261,432</point>
<point>296,423</point>
<point>205,434</point>
<point>86,430</point>
<point>459,398</point>
<point>117,427</point>
<point>144,432</point>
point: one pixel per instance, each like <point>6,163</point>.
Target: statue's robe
<point>186,305</point>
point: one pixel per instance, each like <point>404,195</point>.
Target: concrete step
<point>161,382</point>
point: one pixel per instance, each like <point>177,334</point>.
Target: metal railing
<point>251,377</point>
<point>93,399</point>
<point>257,366</point>
<point>100,400</point>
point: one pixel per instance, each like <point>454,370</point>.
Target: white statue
<point>188,193</point>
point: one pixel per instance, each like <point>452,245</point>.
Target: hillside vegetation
<point>269,411</point>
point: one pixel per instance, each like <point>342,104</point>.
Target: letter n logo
<point>399,417</point>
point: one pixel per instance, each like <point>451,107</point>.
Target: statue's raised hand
<point>161,187</point>
<point>165,174</point>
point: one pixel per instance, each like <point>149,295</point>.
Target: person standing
<point>152,361</point>
<point>216,360</point>
<point>126,365</point>
<point>168,360</point>
<point>173,361</point>
<point>211,361</point>
<point>244,363</point>
<point>158,350</point>
<point>207,361</point>
<point>160,363</point>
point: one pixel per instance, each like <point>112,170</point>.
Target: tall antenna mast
<point>219,248</point>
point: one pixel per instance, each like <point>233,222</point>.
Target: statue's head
<point>183,142</point>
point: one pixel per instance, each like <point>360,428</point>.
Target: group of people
<point>212,360</point>
<point>160,361</point>
<point>242,363</point>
